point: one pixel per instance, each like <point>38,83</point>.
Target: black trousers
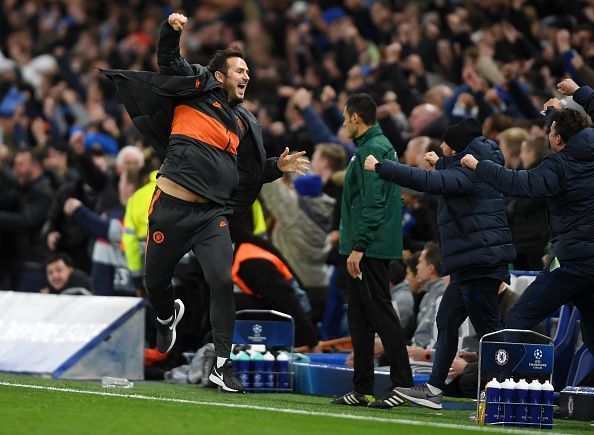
<point>477,299</point>
<point>549,291</point>
<point>370,310</point>
<point>176,227</point>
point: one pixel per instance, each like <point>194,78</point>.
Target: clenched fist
<point>177,21</point>
<point>567,87</point>
<point>370,163</point>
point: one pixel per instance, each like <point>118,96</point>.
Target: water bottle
<point>282,367</point>
<point>243,369</point>
<point>257,372</point>
<point>507,397</point>
<point>269,375</point>
<point>493,397</point>
<point>547,401</point>
<point>109,382</point>
<point>534,399</point>
<point>521,399</point>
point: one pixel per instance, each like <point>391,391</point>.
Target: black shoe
<point>389,401</point>
<point>421,396</point>
<point>226,378</point>
<point>352,399</point>
<point>166,333</point>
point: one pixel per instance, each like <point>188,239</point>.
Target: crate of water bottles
<point>519,393</point>
<point>517,404</point>
<point>264,341</point>
<point>263,370</point>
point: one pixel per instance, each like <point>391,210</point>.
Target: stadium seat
<point>581,366</point>
<point>565,342</point>
<point>551,322</point>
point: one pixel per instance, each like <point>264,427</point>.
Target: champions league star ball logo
<point>538,354</point>
<point>501,357</point>
<point>257,336</point>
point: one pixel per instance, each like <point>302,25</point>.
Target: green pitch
<point>30,405</point>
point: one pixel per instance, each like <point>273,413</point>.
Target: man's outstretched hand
<point>293,163</point>
<point>469,161</point>
<point>177,21</point>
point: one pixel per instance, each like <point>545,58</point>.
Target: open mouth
<point>242,85</point>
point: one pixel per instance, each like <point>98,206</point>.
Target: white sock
<point>221,361</point>
<point>165,322</point>
<point>434,390</point>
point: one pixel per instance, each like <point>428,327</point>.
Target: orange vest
<point>249,251</point>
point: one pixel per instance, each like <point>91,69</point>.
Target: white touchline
<point>284,411</point>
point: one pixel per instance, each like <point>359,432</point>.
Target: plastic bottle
<point>507,397</point>
<point>109,382</point>
<point>547,401</point>
<point>257,372</point>
<point>269,374</point>
<point>492,399</point>
<point>243,369</point>
<point>534,399</point>
<point>282,367</point>
<point>521,399</point>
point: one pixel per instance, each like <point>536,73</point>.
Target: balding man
<point>415,150</point>
<point>424,119</point>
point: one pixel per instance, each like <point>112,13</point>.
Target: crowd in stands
<point>74,169</point>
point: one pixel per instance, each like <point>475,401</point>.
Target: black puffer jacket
<point>471,219</point>
<point>566,180</point>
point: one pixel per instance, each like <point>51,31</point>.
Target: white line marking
<point>283,411</point>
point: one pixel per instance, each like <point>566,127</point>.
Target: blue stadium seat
<point>581,366</point>
<point>562,324</point>
<point>565,341</point>
<point>553,319</point>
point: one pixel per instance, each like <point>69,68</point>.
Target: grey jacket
<point>424,334</point>
<point>403,302</point>
<point>298,236</point>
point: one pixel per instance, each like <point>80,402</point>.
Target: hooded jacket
<point>566,180</point>
<point>150,100</point>
<point>471,218</point>
<point>187,120</point>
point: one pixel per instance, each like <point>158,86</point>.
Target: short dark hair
<point>36,156</point>
<point>433,256</point>
<point>59,256</point>
<point>364,106</point>
<point>569,122</point>
<point>496,124</point>
<point>412,261</point>
<point>219,61</point>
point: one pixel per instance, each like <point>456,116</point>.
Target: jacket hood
<point>484,149</point>
<point>480,147</point>
<point>581,145</point>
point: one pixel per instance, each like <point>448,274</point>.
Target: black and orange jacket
<point>253,166</point>
<point>187,120</point>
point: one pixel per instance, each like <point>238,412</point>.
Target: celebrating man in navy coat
<point>475,243</point>
<point>566,179</point>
